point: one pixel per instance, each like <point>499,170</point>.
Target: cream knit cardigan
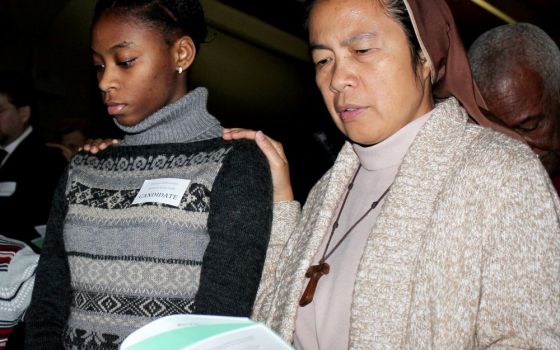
<point>465,253</point>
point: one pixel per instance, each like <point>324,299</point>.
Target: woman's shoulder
<point>493,160</point>
<point>243,145</point>
<point>243,159</point>
<point>486,143</point>
<point>245,167</point>
<point>244,150</point>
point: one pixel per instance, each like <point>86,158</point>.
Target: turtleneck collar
<point>391,151</point>
<point>184,120</point>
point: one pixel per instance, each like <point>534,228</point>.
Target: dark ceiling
<point>288,15</point>
<point>471,18</point>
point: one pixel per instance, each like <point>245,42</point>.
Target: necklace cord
<point>315,272</point>
<point>335,225</point>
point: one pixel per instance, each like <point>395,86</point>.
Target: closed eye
<point>530,124</point>
<point>527,128</point>
<point>127,63</point>
<point>322,62</point>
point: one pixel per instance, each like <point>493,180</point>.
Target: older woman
<point>429,231</point>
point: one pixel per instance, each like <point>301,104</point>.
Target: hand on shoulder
<point>96,145</point>
<point>274,152</point>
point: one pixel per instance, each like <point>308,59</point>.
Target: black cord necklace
<point>315,272</point>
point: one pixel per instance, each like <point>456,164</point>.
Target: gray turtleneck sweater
<point>112,263</point>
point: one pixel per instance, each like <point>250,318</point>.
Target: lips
<point>115,108</point>
<point>349,112</point>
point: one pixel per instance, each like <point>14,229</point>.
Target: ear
<point>184,51</point>
<point>424,67</point>
<point>24,113</point>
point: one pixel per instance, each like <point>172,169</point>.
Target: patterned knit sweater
<point>110,266</point>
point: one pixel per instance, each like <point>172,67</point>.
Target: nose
<point>342,77</point>
<point>106,79</point>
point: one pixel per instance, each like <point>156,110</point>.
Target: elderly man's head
<point>517,68</point>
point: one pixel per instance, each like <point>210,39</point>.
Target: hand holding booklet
<point>201,332</point>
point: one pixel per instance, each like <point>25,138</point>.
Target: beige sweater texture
<point>465,253</point>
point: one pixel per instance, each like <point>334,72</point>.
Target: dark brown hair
<point>173,18</point>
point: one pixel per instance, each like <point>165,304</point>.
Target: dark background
<point>255,65</point>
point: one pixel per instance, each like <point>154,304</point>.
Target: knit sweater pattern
<point>130,263</point>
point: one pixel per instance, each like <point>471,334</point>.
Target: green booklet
<point>201,332</point>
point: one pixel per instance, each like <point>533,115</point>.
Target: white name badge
<point>167,191</point>
<point>7,188</point>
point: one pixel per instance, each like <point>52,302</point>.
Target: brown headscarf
<point>450,70</point>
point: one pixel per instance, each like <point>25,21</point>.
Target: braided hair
<point>173,18</point>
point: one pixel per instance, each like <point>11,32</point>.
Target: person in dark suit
<point>29,170</point>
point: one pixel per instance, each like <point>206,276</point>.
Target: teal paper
<point>178,339</point>
<point>38,242</point>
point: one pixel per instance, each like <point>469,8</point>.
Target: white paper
<point>41,230</point>
<point>173,322</point>
<point>7,188</point>
<point>182,332</point>
<point>166,190</point>
<point>255,337</point>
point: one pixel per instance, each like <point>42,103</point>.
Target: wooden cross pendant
<point>314,272</point>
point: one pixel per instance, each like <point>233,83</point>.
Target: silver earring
<point>179,70</point>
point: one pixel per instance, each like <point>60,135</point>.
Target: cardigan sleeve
<point>285,216</point>
<point>239,226</point>
<point>50,304</point>
<point>519,303</point>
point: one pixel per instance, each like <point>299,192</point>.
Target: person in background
<point>172,220</point>
<point>29,170</point>
<point>72,135</point>
<point>517,68</point>
<point>429,231</point>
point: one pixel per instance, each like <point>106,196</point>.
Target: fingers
<point>238,134</point>
<point>97,145</point>
<point>279,167</point>
<point>273,150</point>
<point>91,146</point>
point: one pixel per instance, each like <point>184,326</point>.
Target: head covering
<point>450,70</point>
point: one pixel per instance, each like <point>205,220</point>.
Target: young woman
<point>429,232</point>
<point>172,220</point>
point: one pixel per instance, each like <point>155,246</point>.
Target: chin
<point>126,121</point>
<point>364,140</point>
